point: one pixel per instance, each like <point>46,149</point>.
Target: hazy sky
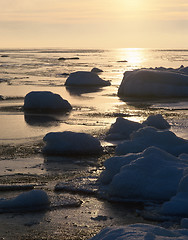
<point>94,23</point>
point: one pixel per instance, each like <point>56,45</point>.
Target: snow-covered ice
<point>154,83</point>
<point>32,200</point>
<point>178,205</point>
<point>113,166</point>
<point>156,121</point>
<point>122,128</point>
<point>184,223</point>
<point>151,175</point>
<point>141,232</point>
<point>45,101</point>
<point>71,143</point>
<point>84,78</point>
<point>149,136</point>
<point>96,70</point>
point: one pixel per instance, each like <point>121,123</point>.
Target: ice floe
<point>154,83</point>
<point>45,101</point>
<point>71,143</point>
<point>178,204</point>
<point>4,55</point>
<point>149,136</point>
<point>27,201</point>
<point>71,58</point>
<point>123,128</point>
<point>84,78</point>
<point>151,175</point>
<point>96,70</point>
<point>141,232</point>
<point>156,121</point>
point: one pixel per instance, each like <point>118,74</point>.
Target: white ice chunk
<point>84,78</point>
<point>157,121</point>
<point>71,143</point>
<point>149,136</point>
<point>113,166</point>
<point>141,232</point>
<point>122,128</point>
<point>35,199</point>
<point>178,205</point>
<point>153,83</point>
<point>151,175</point>
<point>45,101</point>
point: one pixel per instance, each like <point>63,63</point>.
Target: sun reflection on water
<point>135,57</point>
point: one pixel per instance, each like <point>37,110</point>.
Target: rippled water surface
<point>94,110</point>
<point>23,70</point>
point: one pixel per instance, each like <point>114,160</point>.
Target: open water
<point>94,110</point>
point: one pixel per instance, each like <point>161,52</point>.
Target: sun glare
<point>133,56</point>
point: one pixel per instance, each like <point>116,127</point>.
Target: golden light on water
<point>134,56</point>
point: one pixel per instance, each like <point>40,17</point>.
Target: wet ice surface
<point>94,110</point>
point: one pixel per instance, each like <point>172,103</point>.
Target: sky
<point>94,23</point>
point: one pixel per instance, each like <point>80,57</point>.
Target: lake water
<point>94,110</point>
